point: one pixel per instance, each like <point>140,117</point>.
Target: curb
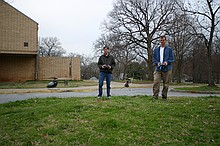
<point>193,91</point>
<point>59,90</point>
<point>54,90</point>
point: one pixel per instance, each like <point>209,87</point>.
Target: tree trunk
<point>179,70</point>
<point>193,64</point>
<point>210,75</point>
<point>150,67</point>
<point>217,78</point>
<point>209,47</point>
<point>125,70</point>
<point>150,59</point>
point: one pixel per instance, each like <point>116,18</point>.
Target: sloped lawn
<point>123,120</point>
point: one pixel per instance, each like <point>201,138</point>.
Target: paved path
<point>8,95</point>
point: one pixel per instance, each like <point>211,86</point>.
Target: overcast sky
<point>76,23</point>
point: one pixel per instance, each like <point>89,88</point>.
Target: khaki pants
<point>166,77</point>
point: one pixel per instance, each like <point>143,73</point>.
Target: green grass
<point>123,120</point>
<point>43,84</point>
<point>200,88</point>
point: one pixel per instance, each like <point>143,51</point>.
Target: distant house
<point>18,45</point>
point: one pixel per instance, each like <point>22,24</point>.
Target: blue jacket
<point>167,56</point>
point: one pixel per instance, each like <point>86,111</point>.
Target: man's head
<point>105,49</point>
<point>163,40</point>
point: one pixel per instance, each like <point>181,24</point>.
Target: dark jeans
<point>102,77</point>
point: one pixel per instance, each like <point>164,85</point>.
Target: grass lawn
<point>123,120</point>
<point>200,88</point>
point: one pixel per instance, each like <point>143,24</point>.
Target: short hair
<point>105,47</point>
<point>163,36</point>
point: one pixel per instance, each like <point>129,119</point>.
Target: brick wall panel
<point>17,68</point>
<point>59,67</point>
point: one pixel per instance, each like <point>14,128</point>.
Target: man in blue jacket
<point>162,58</point>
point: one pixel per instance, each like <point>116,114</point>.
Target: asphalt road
<point>93,92</point>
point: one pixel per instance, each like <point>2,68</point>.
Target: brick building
<point>19,51</point>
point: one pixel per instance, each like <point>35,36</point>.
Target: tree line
<point>132,30</point>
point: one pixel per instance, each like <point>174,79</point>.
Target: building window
<point>25,44</point>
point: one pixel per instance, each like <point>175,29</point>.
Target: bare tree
<point>141,22</point>
<point>104,40</point>
<point>50,46</point>
<point>137,70</point>
<point>88,65</point>
<point>121,49</point>
<point>207,17</point>
<point>180,40</point>
<point>124,55</point>
<point>196,64</point>
<point>216,60</point>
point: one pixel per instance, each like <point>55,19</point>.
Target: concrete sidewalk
<point>114,85</point>
<point>118,89</point>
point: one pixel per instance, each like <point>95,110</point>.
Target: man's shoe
<point>109,97</point>
<point>164,97</point>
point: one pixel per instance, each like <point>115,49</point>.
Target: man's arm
<point>100,63</point>
<point>112,64</point>
<point>156,59</point>
<point>171,57</point>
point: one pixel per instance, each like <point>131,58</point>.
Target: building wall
<point>50,67</point>
<point>18,62</point>
<point>59,67</point>
<point>16,29</point>
<point>17,68</point>
<point>75,68</point>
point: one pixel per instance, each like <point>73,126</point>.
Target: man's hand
<point>104,66</point>
<point>165,63</point>
<point>159,64</point>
